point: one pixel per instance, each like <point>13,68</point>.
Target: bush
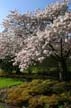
<point>40,94</point>
<point>43,101</point>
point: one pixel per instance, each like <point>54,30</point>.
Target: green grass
<point>2,107</point>
<point>7,82</point>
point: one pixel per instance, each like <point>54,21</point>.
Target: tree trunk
<point>63,63</point>
<point>64,70</point>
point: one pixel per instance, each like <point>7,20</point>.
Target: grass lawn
<point>7,82</point>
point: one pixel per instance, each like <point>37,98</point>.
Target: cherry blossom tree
<point>34,36</point>
<point>53,37</point>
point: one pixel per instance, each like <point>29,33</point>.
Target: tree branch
<point>54,50</point>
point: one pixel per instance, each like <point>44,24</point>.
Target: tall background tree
<point>52,38</point>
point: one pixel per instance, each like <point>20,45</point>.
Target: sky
<point>22,6</point>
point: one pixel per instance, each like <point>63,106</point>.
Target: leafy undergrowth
<point>40,94</point>
<point>7,82</point>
